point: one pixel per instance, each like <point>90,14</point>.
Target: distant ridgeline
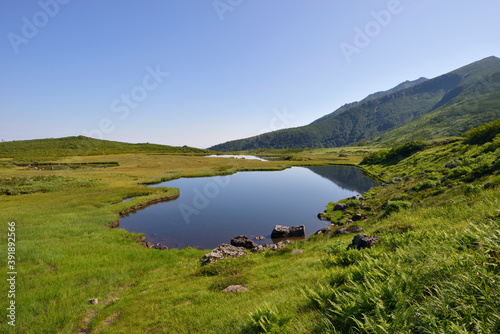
<point>423,109</point>
<point>27,150</point>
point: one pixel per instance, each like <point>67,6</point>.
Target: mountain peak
<point>401,86</point>
<point>451,103</point>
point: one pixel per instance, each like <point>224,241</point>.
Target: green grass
<point>436,268</point>
<point>47,149</point>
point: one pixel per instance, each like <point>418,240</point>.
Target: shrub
<point>459,172</point>
<point>396,206</point>
<point>424,185</point>
<point>471,189</point>
<point>483,134</point>
<point>394,155</point>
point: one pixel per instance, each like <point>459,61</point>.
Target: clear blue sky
<point>80,66</point>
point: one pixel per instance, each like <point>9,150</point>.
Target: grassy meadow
<point>436,268</point>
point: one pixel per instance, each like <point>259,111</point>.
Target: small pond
<point>248,157</point>
<point>212,210</point>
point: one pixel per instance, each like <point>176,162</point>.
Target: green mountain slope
<point>477,102</point>
<point>81,146</point>
<point>375,117</point>
<point>401,86</point>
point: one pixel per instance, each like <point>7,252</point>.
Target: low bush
<point>396,206</point>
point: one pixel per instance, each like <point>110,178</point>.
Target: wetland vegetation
<point>435,269</point>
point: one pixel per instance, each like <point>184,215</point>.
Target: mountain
<point>442,106</point>
<point>401,86</point>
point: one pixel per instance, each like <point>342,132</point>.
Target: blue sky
<point>198,73</point>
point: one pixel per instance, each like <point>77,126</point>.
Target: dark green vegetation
<point>46,149</point>
<point>41,184</point>
<point>444,106</point>
<point>436,268</point>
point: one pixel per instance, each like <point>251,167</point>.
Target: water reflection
<point>212,210</point>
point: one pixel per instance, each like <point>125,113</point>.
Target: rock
<point>353,197</point>
<point>258,248</point>
<point>260,238</point>
<point>350,229</point>
<point>280,245</point>
<point>234,289</point>
<point>243,241</point>
<point>321,216</point>
<point>297,251</point>
<point>223,251</point>
<point>93,301</point>
<point>148,244</point>
<point>160,246</point>
<point>286,232</point>
<point>367,208</point>
<point>324,231</point>
<point>363,241</point>
<point>398,179</point>
<point>114,224</point>
<point>349,221</point>
<point>356,217</point>
<point>339,207</point>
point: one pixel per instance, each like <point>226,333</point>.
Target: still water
<point>212,210</point>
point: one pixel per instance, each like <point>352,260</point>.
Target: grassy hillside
<point>401,86</point>
<point>435,269</point>
<point>477,103</point>
<point>443,106</point>
<point>28,150</point>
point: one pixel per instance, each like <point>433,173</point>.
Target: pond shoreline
<point>190,207</point>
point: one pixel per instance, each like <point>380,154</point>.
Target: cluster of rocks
<point>147,244</point>
<point>345,230</point>
<point>241,243</point>
<point>343,206</point>
<point>222,252</point>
